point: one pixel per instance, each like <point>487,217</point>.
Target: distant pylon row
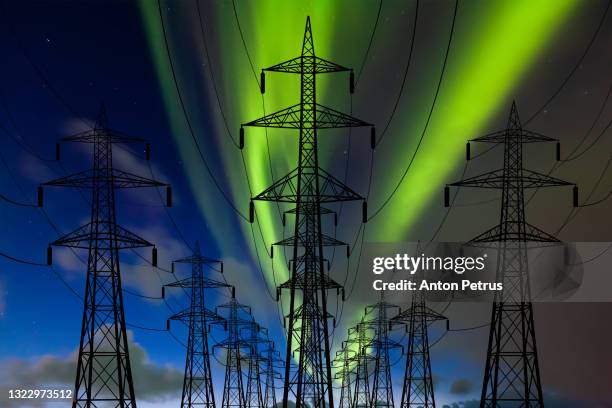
<point>364,362</point>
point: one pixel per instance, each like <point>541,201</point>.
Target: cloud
<point>462,387</point>
<point>464,404</point>
<point>251,290</point>
<point>140,276</point>
<point>152,382</point>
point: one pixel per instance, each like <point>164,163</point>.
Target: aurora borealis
<point>488,59</point>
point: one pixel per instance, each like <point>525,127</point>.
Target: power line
<point>431,110</point>
<point>21,261</point>
<point>186,117</point>
<point>574,69</point>
<point>402,86</point>
<point>14,202</point>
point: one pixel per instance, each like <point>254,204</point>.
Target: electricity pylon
<point>344,374</point>
<point>271,356</point>
<point>417,390</point>
<point>382,345</point>
<point>197,382</point>
<point>104,374</point>
<point>360,336</point>
<point>307,187</point>
<point>254,394</point>
<point>233,391</point>
<point>512,374</point>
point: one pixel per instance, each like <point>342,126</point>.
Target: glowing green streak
<point>495,53</point>
<point>270,40</point>
<point>213,215</point>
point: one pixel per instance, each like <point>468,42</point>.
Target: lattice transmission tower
<point>345,373</point>
<point>382,346</point>
<point>254,392</point>
<point>270,360</point>
<point>417,390</point>
<point>238,316</point>
<point>361,337</point>
<point>104,375</point>
<point>197,382</point>
<point>512,375</point>
<point>308,186</point>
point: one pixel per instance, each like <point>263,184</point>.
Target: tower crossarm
<point>93,135</point>
<point>203,282</point>
<point>91,179</point>
<point>303,241</point>
<point>495,180</point>
<point>285,189</point>
<point>232,344</point>
<point>186,314</point>
<point>501,136</point>
<point>119,238</point>
<point>416,312</point>
<point>509,234</point>
<point>295,65</point>
<point>323,118</point>
<point>301,283</point>
<point>197,259</point>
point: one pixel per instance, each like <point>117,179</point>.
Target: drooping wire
<point>21,261</point>
<point>575,68</point>
<point>188,121</point>
<point>15,202</point>
<point>431,110</point>
<point>403,84</point>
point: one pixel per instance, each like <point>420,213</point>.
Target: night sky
<point>63,58</point>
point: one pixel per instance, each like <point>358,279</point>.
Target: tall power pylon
<point>417,390</point>
<point>382,345</point>
<point>238,316</point>
<point>361,337</point>
<point>104,374</point>
<point>512,375</point>
<point>271,357</point>
<point>197,383</point>
<point>308,186</point>
<point>343,360</point>
<point>254,393</point>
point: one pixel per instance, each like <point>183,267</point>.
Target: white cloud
<point>152,382</point>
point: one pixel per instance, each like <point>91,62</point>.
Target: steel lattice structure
<point>270,356</point>
<point>512,375</point>
<point>238,316</point>
<point>197,383</point>
<point>104,376</point>
<point>360,336</point>
<point>307,187</point>
<point>417,390</point>
<point>254,394</point>
<point>344,374</point>
<point>382,345</point>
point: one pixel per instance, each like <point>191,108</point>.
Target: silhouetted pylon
<point>104,374</point>
<point>512,374</point>
<point>254,394</point>
<point>233,391</point>
<point>417,390</point>
<point>271,357</point>
<point>308,186</point>
<point>345,373</point>
<point>197,383</point>
<point>361,337</point>
<point>382,345</point>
